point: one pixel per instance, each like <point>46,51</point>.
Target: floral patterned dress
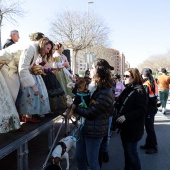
<point>31,104</point>
<point>9,119</point>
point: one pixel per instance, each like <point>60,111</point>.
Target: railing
<point>17,141</point>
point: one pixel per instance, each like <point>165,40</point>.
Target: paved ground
<point>38,150</point>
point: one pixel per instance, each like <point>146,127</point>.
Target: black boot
<point>105,157</point>
<point>151,151</point>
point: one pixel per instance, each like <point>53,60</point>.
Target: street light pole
<point>87,23</point>
<point>89,2</point>
<point>87,26</point>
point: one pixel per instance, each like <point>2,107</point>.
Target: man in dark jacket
<point>14,34</point>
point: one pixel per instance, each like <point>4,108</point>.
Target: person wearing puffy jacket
<point>96,116</point>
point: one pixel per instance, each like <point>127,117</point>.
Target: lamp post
<point>87,23</point>
<point>87,56</point>
<point>89,2</point>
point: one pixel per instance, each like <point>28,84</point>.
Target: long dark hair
<point>102,77</point>
<point>151,81</point>
<point>148,73</point>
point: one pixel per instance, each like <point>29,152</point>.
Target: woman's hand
<point>36,91</point>
<point>121,119</point>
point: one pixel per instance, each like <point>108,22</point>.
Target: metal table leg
<point>20,155</point>
<point>26,151</point>
<point>51,135</point>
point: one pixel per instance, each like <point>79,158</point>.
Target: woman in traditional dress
<point>55,92</point>
<point>61,62</point>
<point>26,56</point>
<point>34,99</point>
<point>9,119</point>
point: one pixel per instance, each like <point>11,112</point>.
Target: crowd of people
<point>34,82</point>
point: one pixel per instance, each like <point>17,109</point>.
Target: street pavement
<point>38,150</point>
<point>157,161</point>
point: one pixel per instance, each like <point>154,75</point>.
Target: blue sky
<point>139,28</point>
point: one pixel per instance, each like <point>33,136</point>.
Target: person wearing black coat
<point>96,116</point>
<point>14,34</point>
<point>132,106</point>
<point>151,88</point>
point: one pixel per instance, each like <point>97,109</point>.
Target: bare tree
<point>103,52</point>
<point>9,10</point>
<point>156,63</point>
<point>77,31</point>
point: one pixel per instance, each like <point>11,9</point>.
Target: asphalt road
<point>158,161</point>
<point>38,150</point>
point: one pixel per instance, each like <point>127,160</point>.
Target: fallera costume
<point>11,56</point>
<point>55,92</point>
<point>9,119</point>
<point>62,76</point>
<point>29,103</point>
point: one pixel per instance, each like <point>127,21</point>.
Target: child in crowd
<point>82,95</point>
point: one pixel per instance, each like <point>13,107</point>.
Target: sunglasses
<point>127,76</point>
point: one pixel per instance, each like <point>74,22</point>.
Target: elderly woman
<point>132,106</point>
<point>96,116</point>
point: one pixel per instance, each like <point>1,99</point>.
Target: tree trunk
<point>0,28</point>
<point>0,38</point>
<point>74,62</point>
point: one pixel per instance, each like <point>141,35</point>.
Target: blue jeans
<point>132,161</point>
<point>87,150</point>
<point>163,95</point>
<point>106,143</point>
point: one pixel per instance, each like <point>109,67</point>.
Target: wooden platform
<point>19,141</point>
